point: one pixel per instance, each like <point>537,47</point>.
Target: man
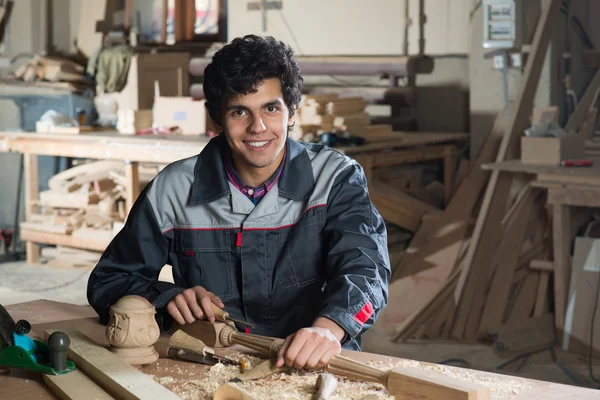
<point>280,234</point>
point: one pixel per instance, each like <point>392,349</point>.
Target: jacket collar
<point>210,180</point>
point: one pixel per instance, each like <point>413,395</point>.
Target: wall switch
<point>498,61</point>
<point>516,60</point>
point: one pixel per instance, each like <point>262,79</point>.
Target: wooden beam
<point>449,171</point>
<point>75,386</point>
<point>132,191</point>
<point>117,378</point>
<point>541,298</point>
<point>32,250</point>
<point>541,265</point>
<point>561,239</point>
<point>470,289</point>
<point>35,237</point>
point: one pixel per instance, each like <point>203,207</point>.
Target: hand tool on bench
<point>17,350</point>
<point>262,370</point>
<point>405,383</point>
<point>223,316</point>
<point>184,347</point>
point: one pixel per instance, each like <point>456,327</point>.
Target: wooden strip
<point>75,386</point>
<point>30,176</point>
<point>561,238</point>
<point>508,252</point>
<point>585,103</point>
<point>541,265</point>
<point>119,379</point>
<point>573,195</point>
<point>133,184</point>
<point>542,295</point>
<point>485,235</point>
<point>525,301</point>
<point>65,240</point>
<point>449,171</point>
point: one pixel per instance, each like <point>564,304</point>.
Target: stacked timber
<point>54,71</point>
<point>483,265</point>
<point>327,112</point>
<point>85,206</point>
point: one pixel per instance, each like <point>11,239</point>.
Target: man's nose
<point>257,125</point>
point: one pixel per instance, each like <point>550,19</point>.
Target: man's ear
<point>292,120</point>
<point>215,127</point>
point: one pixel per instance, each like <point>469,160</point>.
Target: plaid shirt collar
<point>255,194</point>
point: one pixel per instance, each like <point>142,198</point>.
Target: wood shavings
<point>301,384</point>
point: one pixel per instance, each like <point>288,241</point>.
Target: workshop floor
<point>21,282</point>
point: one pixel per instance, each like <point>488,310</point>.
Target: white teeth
<point>257,144</point>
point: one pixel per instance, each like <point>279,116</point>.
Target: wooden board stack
<point>55,70</point>
<point>86,202</point>
<point>461,280</point>
<point>327,112</point>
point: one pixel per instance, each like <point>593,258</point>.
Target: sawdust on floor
<point>301,384</point>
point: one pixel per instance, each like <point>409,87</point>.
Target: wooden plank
<point>575,195</point>
<point>32,250</point>
<point>117,378</point>
<point>524,336</point>
<point>485,235</point>
<point>561,239</point>
<point>523,307</point>
<point>585,103</point>
<point>64,240</point>
<point>132,191</point>
<point>399,207</point>
<point>75,386</point>
<point>449,171</point>
<point>463,170</point>
<point>508,253</point>
<point>541,302</point>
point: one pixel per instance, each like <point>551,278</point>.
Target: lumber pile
<point>327,112</point>
<point>476,266</point>
<point>84,202</point>
<point>54,71</point>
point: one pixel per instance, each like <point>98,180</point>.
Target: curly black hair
<point>245,62</point>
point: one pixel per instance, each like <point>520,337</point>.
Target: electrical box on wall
<point>501,24</point>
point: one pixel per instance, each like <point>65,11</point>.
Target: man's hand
<point>192,304</point>
<point>312,347</point>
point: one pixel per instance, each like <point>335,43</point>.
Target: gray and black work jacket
<point>313,246</point>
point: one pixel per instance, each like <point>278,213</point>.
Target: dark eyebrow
<point>272,103</point>
<point>237,107</point>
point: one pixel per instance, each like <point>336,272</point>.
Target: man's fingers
<point>184,309</point>
<point>192,302</point>
<point>280,355</point>
<point>206,304</point>
<point>174,312</point>
<point>292,352</point>
<point>317,355</point>
<point>327,356</point>
<point>217,300</point>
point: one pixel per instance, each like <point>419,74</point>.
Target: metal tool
<point>223,316</point>
<point>17,350</point>
<point>262,370</point>
<point>206,356</point>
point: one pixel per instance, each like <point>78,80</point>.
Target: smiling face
<point>256,125</point>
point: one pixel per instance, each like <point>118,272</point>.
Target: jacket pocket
<point>205,260</point>
<point>301,260</point>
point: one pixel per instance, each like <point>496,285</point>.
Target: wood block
<point>551,151</point>
<point>117,378</point>
<point>414,383</point>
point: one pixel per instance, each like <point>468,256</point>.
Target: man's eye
<point>238,113</point>
<point>271,108</point>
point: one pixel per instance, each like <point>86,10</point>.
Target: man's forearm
<point>323,322</point>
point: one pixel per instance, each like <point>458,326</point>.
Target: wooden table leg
<point>133,184</point>
<point>449,170</point>
<point>561,237</point>
<point>32,250</point>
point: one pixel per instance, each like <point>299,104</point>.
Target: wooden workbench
<point>43,314</point>
<point>567,187</point>
<point>164,149</point>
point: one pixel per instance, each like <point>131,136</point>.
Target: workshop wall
<point>356,27</point>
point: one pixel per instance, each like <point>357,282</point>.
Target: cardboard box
<point>551,151</point>
<point>188,114</point>
<point>132,121</point>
